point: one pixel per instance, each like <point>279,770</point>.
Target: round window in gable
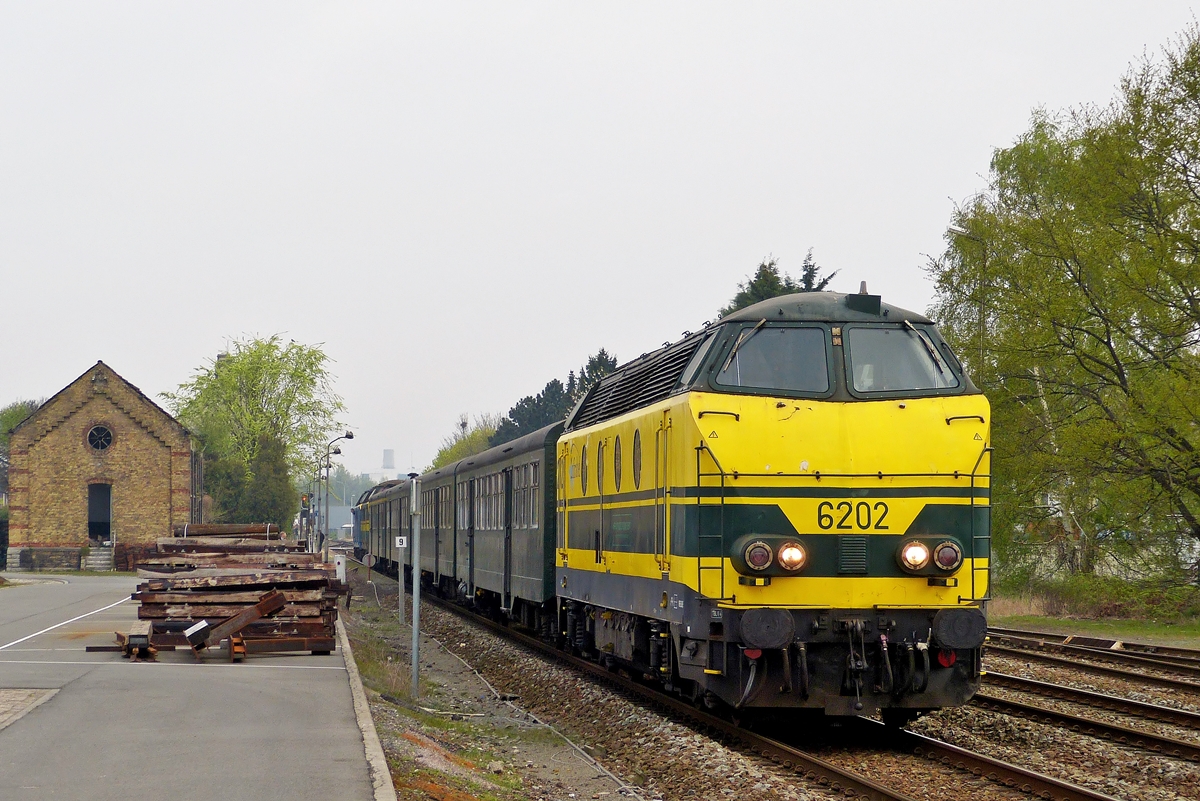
<point>99,438</point>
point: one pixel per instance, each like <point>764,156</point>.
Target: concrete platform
<point>77,725</point>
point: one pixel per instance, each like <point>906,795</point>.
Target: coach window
<point>518,495</point>
<point>600,468</point>
<point>535,501</point>
<point>637,458</point>
<point>583,470</point>
<point>617,463</point>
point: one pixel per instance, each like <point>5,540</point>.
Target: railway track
<point>805,764</point>
<point>1163,714</point>
<point>1033,655</point>
<point>1102,643</point>
<point>1124,735</point>
<point>1180,664</point>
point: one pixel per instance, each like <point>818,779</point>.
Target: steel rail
<point>1169,664</point>
<point>1026,781</point>
<point>1164,714</point>
<point>1104,643</point>
<point>1101,670</point>
<point>808,765</point>
<point>1122,735</point>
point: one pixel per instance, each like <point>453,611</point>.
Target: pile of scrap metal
<point>246,585</point>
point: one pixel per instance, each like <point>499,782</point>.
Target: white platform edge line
<point>65,622</point>
<point>381,775</point>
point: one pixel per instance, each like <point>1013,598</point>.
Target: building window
<point>99,438</point>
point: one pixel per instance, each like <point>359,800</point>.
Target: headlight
<point>792,556</point>
<point>914,555</point>
<point>758,555</point>
<point>947,555</point>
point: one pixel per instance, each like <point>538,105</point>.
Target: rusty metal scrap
<point>259,593</point>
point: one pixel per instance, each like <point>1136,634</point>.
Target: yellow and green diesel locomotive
<point>789,509</point>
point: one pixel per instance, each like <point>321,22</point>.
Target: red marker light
<point>946,658</point>
<point>752,653</point>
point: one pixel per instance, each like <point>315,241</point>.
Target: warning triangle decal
<point>713,435</point>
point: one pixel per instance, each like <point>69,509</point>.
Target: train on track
<point>786,510</point>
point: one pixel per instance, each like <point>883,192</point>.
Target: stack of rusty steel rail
<point>243,583</point>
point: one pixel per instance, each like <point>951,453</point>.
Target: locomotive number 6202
<point>847,516</point>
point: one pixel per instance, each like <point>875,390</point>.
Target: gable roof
<point>53,412</point>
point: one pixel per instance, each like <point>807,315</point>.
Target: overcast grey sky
<point>463,201</point>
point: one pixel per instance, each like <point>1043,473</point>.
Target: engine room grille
<point>643,381</point>
<point>852,554</point>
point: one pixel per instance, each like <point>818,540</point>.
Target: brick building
<point>98,466</point>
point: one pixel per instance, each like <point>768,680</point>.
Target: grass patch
<point>1102,597</point>
<point>377,666</point>
<point>1103,606</point>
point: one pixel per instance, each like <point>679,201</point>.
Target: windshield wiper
<point>924,340</point>
<point>741,340</point>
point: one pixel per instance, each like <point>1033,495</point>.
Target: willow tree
<point>261,388</point>
<point>1071,286</point>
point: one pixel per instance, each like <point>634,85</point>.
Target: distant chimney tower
<point>389,459</point>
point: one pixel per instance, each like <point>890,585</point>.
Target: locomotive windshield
<point>897,359</point>
<point>782,358</point>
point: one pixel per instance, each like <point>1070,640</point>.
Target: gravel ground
<point>632,740</point>
<point>668,760</point>
<point>1099,765</point>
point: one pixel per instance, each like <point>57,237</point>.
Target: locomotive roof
<point>825,307</point>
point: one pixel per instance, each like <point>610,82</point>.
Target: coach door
<point>508,523</point>
<point>471,536</point>
<point>662,493</point>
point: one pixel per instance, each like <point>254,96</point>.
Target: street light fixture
<point>329,450</point>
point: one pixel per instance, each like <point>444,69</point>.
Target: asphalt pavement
<point>95,726</point>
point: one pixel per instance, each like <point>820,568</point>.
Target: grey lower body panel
<point>635,594</point>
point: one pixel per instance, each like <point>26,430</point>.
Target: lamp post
<point>328,467</point>
<point>415,510</point>
<point>978,284</point>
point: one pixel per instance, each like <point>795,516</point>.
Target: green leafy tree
<point>262,387</point>
<point>1071,287</point>
<point>10,417</point>
<point>468,439</point>
<point>225,481</point>
<point>768,282</point>
<point>554,402</point>
<point>344,487</point>
<point>269,496</point>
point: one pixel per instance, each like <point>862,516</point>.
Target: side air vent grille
<point>640,383</point>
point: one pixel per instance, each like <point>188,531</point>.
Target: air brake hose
<point>749,684</point>
<point>888,678</point>
<point>923,647</point>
